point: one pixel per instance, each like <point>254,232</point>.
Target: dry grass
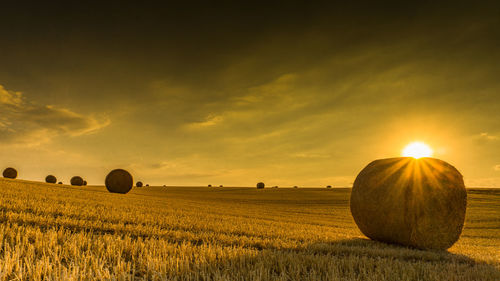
<point>60,232</point>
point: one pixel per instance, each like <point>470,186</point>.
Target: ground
<point>60,232</point>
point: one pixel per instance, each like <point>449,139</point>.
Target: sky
<point>290,93</point>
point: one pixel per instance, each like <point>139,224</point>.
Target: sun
<point>417,150</point>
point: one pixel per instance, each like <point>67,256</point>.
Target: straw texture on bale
<point>139,184</point>
<point>260,185</point>
<point>76,180</point>
<point>119,181</point>
<point>50,179</point>
<point>413,202</point>
<point>10,173</point>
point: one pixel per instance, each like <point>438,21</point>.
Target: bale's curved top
<point>413,202</point>
<point>260,185</point>
<point>50,179</point>
<point>76,180</point>
<point>119,181</point>
<point>10,173</point>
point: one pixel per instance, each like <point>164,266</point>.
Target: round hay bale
<point>260,185</point>
<point>295,186</point>
<point>10,173</point>
<point>221,185</point>
<point>50,179</point>
<point>209,185</point>
<point>413,202</point>
<point>119,181</point>
<point>328,186</point>
<point>147,184</point>
<point>138,184</point>
<point>76,180</point>
<point>59,182</point>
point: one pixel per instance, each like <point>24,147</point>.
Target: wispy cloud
<point>209,121</point>
<point>26,123</point>
<point>487,136</point>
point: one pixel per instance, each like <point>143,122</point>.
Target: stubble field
<point>60,232</point>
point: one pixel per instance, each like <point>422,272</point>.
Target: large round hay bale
<point>260,185</point>
<point>139,184</point>
<point>76,180</point>
<point>413,202</point>
<point>50,179</point>
<point>119,181</point>
<point>10,173</point>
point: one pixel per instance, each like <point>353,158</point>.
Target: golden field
<point>60,232</point>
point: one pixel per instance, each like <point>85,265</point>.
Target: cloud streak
<point>26,123</point>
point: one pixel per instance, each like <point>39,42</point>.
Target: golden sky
<point>290,94</point>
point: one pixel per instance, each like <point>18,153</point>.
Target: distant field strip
<point>59,232</point>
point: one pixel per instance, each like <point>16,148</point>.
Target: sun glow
<point>417,150</point>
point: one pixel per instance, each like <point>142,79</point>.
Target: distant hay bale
<point>275,186</point>
<point>209,185</point>
<point>10,173</point>
<point>221,185</point>
<point>119,181</point>
<point>84,182</point>
<point>147,184</point>
<point>59,182</point>
<point>50,179</point>
<point>413,202</point>
<point>295,187</point>
<point>260,185</point>
<point>76,180</point>
<point>328,186</point>
<point>138,184</point>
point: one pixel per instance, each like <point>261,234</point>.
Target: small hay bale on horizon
<point>50,179</point>
<point>76,180</point>
<point>119,181</point>
<point>10,173</point>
